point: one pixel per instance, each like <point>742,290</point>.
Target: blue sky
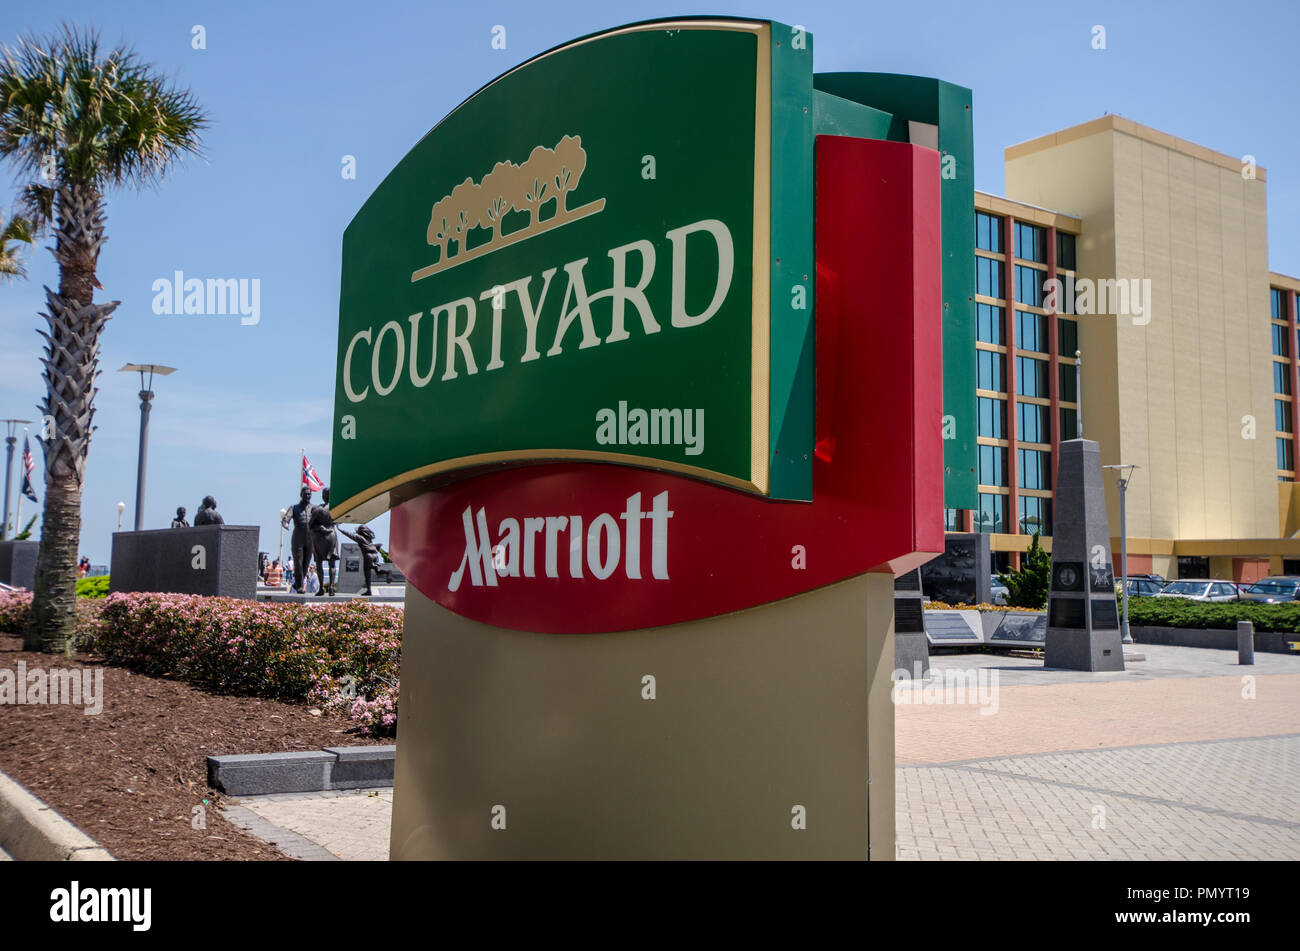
<point>293,88</point>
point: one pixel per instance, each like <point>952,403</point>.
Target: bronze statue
<point>326,544</point>
<point>208,514</point>
<point>370,558</point>
<point>300,545</point>
<point>179,520</point>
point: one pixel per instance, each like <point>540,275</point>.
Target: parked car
<point>1141,587</point>
<point>1201,589</point>
<point>1275,590</point>
<point>998,592</point>
<point>1158,579</point>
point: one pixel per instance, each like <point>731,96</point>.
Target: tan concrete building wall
<point>1170,394</point>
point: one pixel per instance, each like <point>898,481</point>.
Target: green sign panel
<point>606,254</point>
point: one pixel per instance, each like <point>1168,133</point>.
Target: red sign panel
<point>585,548</point>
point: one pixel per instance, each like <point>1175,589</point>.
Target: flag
<point>309,477</point>
<point>29,466</point>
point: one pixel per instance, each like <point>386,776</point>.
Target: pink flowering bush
<point>16,605</point>
<point>333,655</point>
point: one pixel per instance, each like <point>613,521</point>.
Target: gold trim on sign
<point>760,355</point>
<point>342,509</point>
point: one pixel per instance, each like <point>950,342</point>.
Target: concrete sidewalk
<point>1186,756</point>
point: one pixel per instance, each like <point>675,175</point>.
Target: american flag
<point>29,466</point>
<point>309,477</point>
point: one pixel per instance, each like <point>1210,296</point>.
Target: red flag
<point>309,477</point>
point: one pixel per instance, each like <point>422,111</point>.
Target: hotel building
<point>1187,368</point>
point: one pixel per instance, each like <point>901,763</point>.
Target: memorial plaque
<point>1101,580</point>
<point>1020,630</point>
<point>953,628</point>
<point>1104,615</point>
<point>1069,613</point>
<point>1067,576</point>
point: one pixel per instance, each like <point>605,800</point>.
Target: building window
<point>993,465</point>
<point>1032,422</point>
<point>988,277</point>
<point>1282,416</point>
<point>993,417</point>
<point>1281,341</point>
<point>992,514</point>
<point>989,322</point>
<point>950,520</point>
<point>1067,333</point>
<point>1282,378</point>
<point>1069,375</point>
<point>992,371</point>
<point>1277,303</point>
<point>1285,455</point>
<point>1065,251</point>
<point>988,232</point>
<point>1031,331</point>
<point>1031,243</point>
<point>1035,515</point>
<point>1069,423</point>
<point>1029,285</point>
<point>1032,377</point>
<point>1034,469</point>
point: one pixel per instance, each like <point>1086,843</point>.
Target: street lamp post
<point>1078,394</point>
<point>146,395</point>
<point>121,507</point>
<point>12,427</point>
<point>1125,473</point>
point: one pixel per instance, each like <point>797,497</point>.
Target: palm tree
<point>15,229</point>
<point>76,121</point>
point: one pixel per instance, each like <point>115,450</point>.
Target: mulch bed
<point>130,776</point>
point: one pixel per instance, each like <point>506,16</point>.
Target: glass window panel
<point>992,371</point>
<point>1069,382</point>
<point>1067,333</point>
<point>988,232</point>
<point>1029,285</point>
<point>1281,341</point>
<point>1065,251</point>
<point>991,516</point>
<point>1032,422</point>
<point>1285,459</point>
<point>1031,244</point>
<point>1032,377</point>
<point>1069,423</point>
<point>1281,378</point>
<point>1035,515</point>
<point>1277,304</point>
<point>992,417</point>
<point>1282,416</point>
<point>989,320</point>
<point>988,277</point>
<point>1031,331</point>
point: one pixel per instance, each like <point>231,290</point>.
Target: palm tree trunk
<point>71,365</point>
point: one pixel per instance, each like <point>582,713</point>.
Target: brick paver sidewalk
<point>1183,756</point>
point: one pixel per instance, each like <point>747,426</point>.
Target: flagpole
<point>18,516</point>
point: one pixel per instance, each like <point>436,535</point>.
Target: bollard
<point>1245,642</point>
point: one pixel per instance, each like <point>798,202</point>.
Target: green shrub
<point>1182,612</point>
<point>1028,587</point>
<point>93,587</point>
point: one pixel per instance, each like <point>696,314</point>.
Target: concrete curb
<point>30,831</point>
<point>338,767</point>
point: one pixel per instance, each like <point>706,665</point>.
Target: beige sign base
<point>770,735</point>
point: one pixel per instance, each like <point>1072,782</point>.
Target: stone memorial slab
<point>18,563</point>
<point>954,628</point>
<point>911,648</point>
<point>1019,630</point>
<point>961,575</point>
<point>216,560</point>
<point>1082,619</point>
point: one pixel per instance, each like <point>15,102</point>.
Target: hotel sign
<point>606,254</point>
